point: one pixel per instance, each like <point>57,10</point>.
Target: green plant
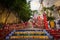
<point>47,12</point>
<point>18,6</point>
<point>50,18</point>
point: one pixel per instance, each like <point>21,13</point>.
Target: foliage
<point>50,18</point>
<point>25,14</point>
<point>49,8</point>
<point>47,11</point>
<point>35,11</point>
<point>18,6</point>
<point>6,3</point>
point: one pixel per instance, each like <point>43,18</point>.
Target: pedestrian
<point>59,23</point>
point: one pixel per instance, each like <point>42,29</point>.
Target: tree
<point>18,6</point>
<point>6,4</point>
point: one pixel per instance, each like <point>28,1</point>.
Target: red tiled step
<point>56,37</point>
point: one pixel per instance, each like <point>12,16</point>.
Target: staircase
<point>28,34</point>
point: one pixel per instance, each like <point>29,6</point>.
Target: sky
<point>35,4</point>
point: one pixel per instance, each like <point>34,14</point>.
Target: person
<point>59,23</point>
<point>52,24</point>
<point>30,24</point>
<point>1,26</point>
<point>39,22</point>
